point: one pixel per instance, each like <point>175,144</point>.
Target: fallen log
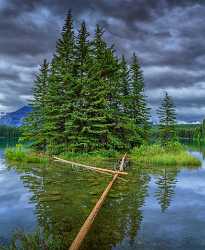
<point>90,167</point>
<point>90,219</point>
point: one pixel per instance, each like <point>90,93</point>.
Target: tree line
<point>9,132</point>
<point>89,99</point>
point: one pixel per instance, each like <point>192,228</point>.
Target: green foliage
<point>35,241</point>
<point>172,154</point>
<point>95,158</point>
<point>33,128</point>
<point>87,99</point>
<point>167,116</point>
<point>22,154</point>
<point>139,110</point>
<point>9,132</point>
<point>183,131</point>
<point>199,132</point>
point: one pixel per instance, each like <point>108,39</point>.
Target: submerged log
<point>90,219</point>
<point>92,168</point>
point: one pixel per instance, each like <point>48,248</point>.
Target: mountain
<point>15,119</point>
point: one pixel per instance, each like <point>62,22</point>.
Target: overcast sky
<point>167,35</point>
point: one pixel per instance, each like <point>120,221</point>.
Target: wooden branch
<point>102,172</point>
<point>121,168</point>
<point>90,167</point>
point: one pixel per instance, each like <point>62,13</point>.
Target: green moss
<point>172,154</point>
<point>22,154</point>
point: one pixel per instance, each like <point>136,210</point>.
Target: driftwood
<point>92,168</point>
<point>89,221</point>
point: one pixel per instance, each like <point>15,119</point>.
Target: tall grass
<point>171,154</point>
<point>22,154</point>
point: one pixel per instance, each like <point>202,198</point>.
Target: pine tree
<point>33,129</point>
<point>60,91</point>
<point>77,126</point>
<point>167,116</point>
<point>108,69</point>
<point>124,87</point>
<point>139,111</point>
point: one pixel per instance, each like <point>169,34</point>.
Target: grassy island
<point>88,99</point>
<point>171,154</point>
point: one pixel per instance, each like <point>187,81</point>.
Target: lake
<point>157,209</point>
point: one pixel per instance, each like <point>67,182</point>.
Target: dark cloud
<point>167,35</point>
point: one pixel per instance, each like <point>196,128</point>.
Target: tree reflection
<point>166,183</point>
<point>122,214</point>
<point>64,197</point>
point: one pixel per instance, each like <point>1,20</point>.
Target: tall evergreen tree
<point>124,87</point>
<point>60,90</point>
<point>108,69</point>
<point>140,111</point>
<point>167,116</point>
<point>33,129</point>
<point>77,126</point>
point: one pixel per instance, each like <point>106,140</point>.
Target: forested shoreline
<point>9,132</point>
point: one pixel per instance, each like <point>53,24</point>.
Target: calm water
<point>160,208</point>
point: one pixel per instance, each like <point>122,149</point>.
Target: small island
<point>90,104</point>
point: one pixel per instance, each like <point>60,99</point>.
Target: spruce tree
<point>127,129</point>
<point>77,126</point>
<point>33,129</point>
<point>60,90</point>
<point>139,110</point>
<point>167,117</point>
<point>124,87</point>
<point>108,71</point>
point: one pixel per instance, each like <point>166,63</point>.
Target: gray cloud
<point>167,35</point>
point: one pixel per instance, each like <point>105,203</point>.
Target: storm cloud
<point>167,35</point>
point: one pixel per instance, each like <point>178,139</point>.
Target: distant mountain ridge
<point>15,119</point>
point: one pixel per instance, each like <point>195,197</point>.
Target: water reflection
<point>63,197</point>
<point>122,214</point>
<point>166,183</point>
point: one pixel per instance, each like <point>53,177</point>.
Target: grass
<point>23,154</point>
<point>93,158</point>
<point>27,155</point>
<point>172,154</point>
